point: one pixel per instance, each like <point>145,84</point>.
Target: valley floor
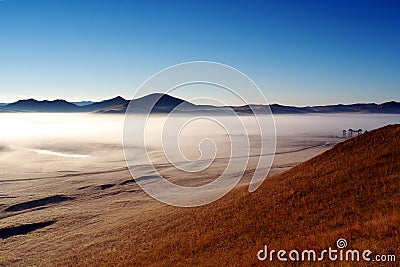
<point>55,208</point>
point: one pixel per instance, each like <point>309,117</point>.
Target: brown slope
<point>351,191</point>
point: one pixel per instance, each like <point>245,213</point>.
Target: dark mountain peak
<point>161,103</point>
<point>117,98</point>
<point>116,101</point>
<point>159,96</point>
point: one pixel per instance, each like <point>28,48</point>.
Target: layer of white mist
<point>330,124</point>
<point>72,132</point>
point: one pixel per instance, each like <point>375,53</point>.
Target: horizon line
<point>120,96</point>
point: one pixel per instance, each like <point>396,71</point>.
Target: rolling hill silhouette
<point>164,103</point>
<point>42,106</point>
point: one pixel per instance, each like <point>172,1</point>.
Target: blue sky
<point>298,52</point>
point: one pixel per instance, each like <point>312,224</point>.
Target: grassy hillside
<point>351,191</point>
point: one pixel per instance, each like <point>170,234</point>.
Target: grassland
<point>351,191</point>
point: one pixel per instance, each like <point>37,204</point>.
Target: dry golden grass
<point>351,191</point>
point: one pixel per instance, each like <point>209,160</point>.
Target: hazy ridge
<point>166,103</point>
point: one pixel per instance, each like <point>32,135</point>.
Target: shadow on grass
<point>23,229</point>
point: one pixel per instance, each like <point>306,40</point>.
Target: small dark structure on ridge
<point>349,133</point>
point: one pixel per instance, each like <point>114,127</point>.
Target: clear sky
<point>298,52</point>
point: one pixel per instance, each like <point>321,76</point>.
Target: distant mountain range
<point>165,103</point>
